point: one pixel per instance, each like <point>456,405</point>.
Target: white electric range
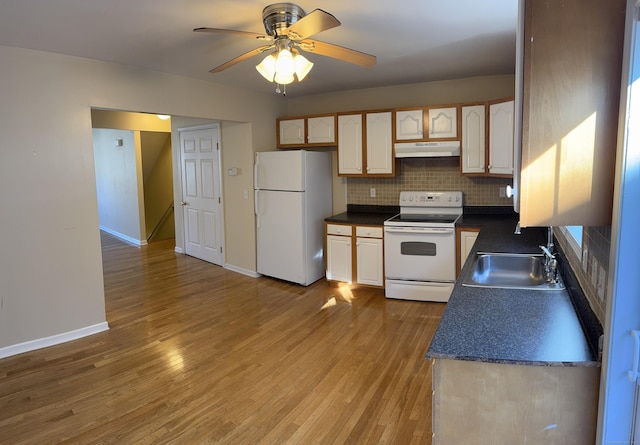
<point>420,246</point>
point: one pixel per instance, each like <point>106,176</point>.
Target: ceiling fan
<point>288,29</point>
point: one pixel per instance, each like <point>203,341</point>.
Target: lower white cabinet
<point>369,256</point>
<point>466,239</point>
<point>355,254</point>
<point>339,252</point>
<point>339,263</point>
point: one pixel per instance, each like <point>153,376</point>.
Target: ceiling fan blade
<point>314,22</point>
<point>245,56</point>
<point>338,52</point>
<point>255,35</point>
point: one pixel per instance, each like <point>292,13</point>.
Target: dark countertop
<point>528,327</point>
<point>365,214</point>
<point>374,219</point>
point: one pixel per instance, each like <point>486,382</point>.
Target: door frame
<point>618,403</point>
<point>178,191</point>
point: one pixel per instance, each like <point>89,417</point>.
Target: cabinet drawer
<point>339,229</point>
<point>370,232</point>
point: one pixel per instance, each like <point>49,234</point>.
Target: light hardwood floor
<point>197,354</point>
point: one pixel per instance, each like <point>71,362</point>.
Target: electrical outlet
<point>372,192</point>
<point>602,281</point>
<point>503,191</point>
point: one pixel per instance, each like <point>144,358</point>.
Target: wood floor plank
<point>197,354</point>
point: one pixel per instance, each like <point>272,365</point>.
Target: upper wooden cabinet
<point>437,123</point>
<point>365,146</point>
<point>300,132</point>
<point>487,138</point>
<point>571,89</point>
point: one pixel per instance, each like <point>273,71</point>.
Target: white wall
<point>50,262</point>
<point>117,185</point>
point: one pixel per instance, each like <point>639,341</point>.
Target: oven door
<point>419,253</point>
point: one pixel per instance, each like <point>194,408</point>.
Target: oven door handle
<point>437,230</point>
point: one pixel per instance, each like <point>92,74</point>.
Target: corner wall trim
<point>125,238</point>
<point>241,270</point>
<point>52,340</point>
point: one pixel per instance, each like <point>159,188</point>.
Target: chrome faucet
<point>550,261</point>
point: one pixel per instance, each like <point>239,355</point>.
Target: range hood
<point>427,149</point>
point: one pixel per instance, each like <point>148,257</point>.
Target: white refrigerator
<point>292,199</point>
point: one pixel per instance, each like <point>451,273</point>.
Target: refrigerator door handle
<point>255,174</point>
<point>256,205</point>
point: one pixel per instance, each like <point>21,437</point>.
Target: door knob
<point>184,203</point>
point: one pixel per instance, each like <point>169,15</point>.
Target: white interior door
<point>201,193</point>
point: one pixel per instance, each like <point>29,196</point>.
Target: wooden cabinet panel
<point>571,80</point>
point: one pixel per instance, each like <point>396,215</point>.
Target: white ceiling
<point>413,40</point>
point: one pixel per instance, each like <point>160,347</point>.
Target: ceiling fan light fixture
<point>303,66</point>
<point>285,67</point>
<point>267,68</point>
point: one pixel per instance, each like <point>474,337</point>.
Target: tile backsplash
<point>428,174</point>
<point>591,265</point>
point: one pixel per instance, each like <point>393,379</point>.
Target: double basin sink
<point>510,271</point>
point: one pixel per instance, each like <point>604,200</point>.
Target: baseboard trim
<point>57,339</point>
<point>125,238</point>
<point>250,273</point>
<point>179,250</point>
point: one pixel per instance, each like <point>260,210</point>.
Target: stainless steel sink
<point>509,271</point>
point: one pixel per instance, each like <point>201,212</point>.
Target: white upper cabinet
<point>501,117</point>
<point>291,132</point>
<point>487,138</point>
<point>301,132</point>
<point>350,144</point>
<point>321,130</point>
<point>409,124</point>
<point>379,143</point>
<point>365,144</point>
<point>472,153</point>
<point>443,123</point>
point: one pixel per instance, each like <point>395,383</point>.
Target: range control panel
<point>430,199</point>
